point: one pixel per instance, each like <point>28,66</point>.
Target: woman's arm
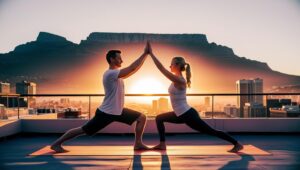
<point>163,70</point>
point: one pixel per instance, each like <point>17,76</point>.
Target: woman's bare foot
<point>237,147</point>
<point>161,146</point>
<point>58,149</point>
<point>141,146</point>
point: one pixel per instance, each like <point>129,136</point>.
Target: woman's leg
<point>193,120</point>
<point>160,119</point>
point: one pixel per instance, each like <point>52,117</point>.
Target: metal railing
<point>89,96</point>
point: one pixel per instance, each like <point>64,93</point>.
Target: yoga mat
<point>175,150</point>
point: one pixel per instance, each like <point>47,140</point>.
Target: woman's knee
<point>158,119</point>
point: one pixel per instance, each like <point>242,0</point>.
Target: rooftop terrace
<point>284,149</point>
<point>22,134</point>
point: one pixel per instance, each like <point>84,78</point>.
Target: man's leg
<point>72,133</point>
<point>139,130</point>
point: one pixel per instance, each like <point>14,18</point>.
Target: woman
<point>183,113</point>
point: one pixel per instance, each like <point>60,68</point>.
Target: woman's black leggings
<point>192,119</point>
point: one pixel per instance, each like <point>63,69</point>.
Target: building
<point>252,86</point>
<point>26,87</point>
<point>2,112</point>
<point>285,111</point>
<point>272,103</point>
<point>285,102</point>
<point>276,104</point>
<point>243,87</point>
<point>4,88</point>
<point>162,105</point>
<point>65,101</point>
<point>154,107</point>
<point>254,110</point>
<point>231,110</point>
<point>209,114</point>
<point>257,85</point>
<point>13,102</point>
<point>207,102</point>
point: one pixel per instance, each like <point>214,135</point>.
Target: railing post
<point>18,101</point>
<point>212,106</point>
<point>267,106</point>
<point>7,101</point>
<point>89,107</point>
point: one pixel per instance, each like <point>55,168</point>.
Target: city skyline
<point>78,107</point>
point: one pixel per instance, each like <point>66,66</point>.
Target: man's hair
<point>112,54</point>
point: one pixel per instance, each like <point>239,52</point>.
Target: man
<point>112,109</point>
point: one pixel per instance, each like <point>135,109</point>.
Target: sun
<point>149,85</point>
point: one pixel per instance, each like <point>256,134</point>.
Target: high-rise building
<point>207,102</point>
<point>4,88</point>
<point>252,86</point>
<point>162,105</point>
<point>26,87</point>
<point>154,107</point>
<point>257,88</point>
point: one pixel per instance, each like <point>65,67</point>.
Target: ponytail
<point>184,67</point>
<point>188,75</point>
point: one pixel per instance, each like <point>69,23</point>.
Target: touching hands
<point>148,48</point>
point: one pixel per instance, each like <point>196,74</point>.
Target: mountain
<point>61,66</point>
<point>141,37</point>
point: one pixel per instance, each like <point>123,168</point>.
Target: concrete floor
<point>284,148</point>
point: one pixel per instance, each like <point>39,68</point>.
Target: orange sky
<point>147,80</point>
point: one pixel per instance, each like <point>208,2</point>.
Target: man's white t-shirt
<point>113,102</point>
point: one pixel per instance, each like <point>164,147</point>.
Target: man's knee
<point>142,118</point>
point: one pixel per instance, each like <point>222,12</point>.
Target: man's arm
<point>135,66</point>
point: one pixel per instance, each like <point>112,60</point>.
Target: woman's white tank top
<point>178,100</point>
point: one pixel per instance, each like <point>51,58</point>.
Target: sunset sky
<point>268,30</point>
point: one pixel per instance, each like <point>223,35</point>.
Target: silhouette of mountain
<point>141,37</point>
<point>48,37</point>
<point>59,65</point>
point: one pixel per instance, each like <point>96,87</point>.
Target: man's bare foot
<point>58,149</point>
<point>141,147</point>
<point>160,147</point>
<point>237,147</point>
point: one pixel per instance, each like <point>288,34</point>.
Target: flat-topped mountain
<point>142,37</point>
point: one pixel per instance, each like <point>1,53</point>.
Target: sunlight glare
<point>148,85</point>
